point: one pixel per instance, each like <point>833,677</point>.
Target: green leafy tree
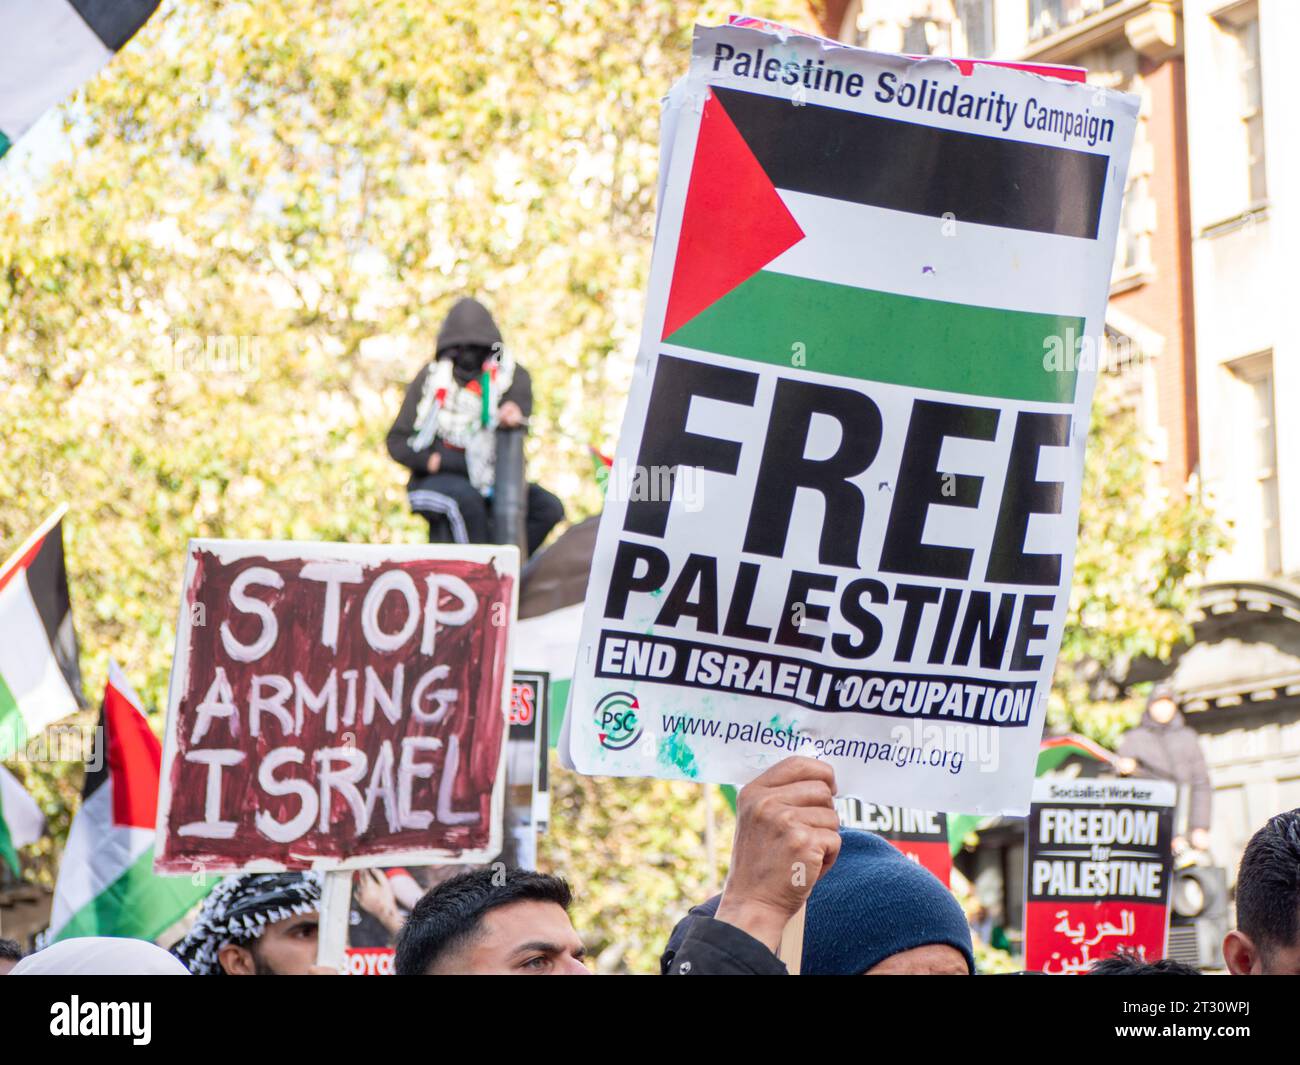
<point>1139,557</point>
<point>212,297</point>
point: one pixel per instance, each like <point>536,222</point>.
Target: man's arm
<point>520,392</point>
<point>787,837</point>
<point>716,948</point>
<point>399,436</point>
<point>1201,799</point>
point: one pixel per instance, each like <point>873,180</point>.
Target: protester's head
<point>1127,963</point>
<point>1267,938</point>
<point>10,955</point>
<point>490,921</point>
<point>257,924</point>
<point>467,337</point>
<point>100,956</point>
<point>876,913</point>
<point>1162,705</point>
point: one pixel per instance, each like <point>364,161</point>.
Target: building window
<point>1050,16</point>
<point>1256,458</point>
<point>1241,26</point>
<point>1132,246</point>
<point>976,17</point>
<point>915,40</point>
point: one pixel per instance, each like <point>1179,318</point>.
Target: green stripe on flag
<point>8,852</point>
<point>13,729</point>
<point>555,712</point>
<point>880,336</point>
<point>139,904</point>
<point>4,143</point>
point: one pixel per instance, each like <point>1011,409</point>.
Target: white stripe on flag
<point>19,810</point>
<point>27,662</point>
<point>97,854</point>
<point>46,51</point>
<point>953,261</point>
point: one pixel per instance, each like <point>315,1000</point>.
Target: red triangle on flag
<point>734,221</point>
<point>134,758</point>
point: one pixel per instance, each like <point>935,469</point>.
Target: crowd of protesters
<point>869,910</point>
<point>866,907</point>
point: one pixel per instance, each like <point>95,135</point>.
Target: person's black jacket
<point>701,945</point>
<point>453,458</point>
<point>1172,752</point>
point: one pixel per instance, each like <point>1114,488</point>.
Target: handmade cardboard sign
<point>382,898</point>
<point>335,706</point>
<point>856,425</point>
<point>1099,859</point>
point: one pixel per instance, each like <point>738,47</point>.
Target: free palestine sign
<point>857,424</point>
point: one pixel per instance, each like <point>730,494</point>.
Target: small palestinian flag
<point>40,678</point>
<point>50,47</point>
<point>21,820</point>
<point>106,885</point>
<point>801,234</point>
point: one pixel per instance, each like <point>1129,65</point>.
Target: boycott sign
<point>1099,862</point>
<point>860,366</point>
<point>920,834</point>
<point>335,706</point>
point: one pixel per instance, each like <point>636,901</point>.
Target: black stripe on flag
<point>867,159</point>
<point>97,767</point>
<point>47,581</point>
<point>114,21</point>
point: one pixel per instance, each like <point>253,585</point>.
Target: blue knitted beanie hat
<point>874,903</point>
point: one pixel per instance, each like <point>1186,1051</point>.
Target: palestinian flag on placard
<point>50,47</point>
<point>552,589</point>
<point>106,885</point>
<point>21,820</point>
<point>801,232</point>
<point>40,678</point>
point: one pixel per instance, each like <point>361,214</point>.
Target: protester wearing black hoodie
<point>1165,747</point>
<point>445,432</point>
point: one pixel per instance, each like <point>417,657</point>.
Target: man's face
<point>1162,711</point>
<point>933,959</point>
<point>1243,958</point>
<point>286,948</point>
<point>522,939</point>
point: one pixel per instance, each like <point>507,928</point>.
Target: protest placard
<point>920,834</point>
<point>856,425</point>
<point>1099,859</point>
<point>382,898</point>
<point>334,706</point>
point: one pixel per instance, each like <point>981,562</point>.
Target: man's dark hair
<point>1268,884</point>
<point>10,950</point>
<point>450,914</point>
<point>1126,963</point>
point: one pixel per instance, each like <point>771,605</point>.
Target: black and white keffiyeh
<point>239,910</point>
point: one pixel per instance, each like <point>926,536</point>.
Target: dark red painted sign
<point>336,705</point>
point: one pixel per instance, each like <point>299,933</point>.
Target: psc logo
<point>617,724</point>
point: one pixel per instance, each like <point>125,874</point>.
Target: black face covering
<point>467,360</point>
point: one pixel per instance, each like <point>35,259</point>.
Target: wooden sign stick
<point>335,905</point>
<point>791,950</point>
